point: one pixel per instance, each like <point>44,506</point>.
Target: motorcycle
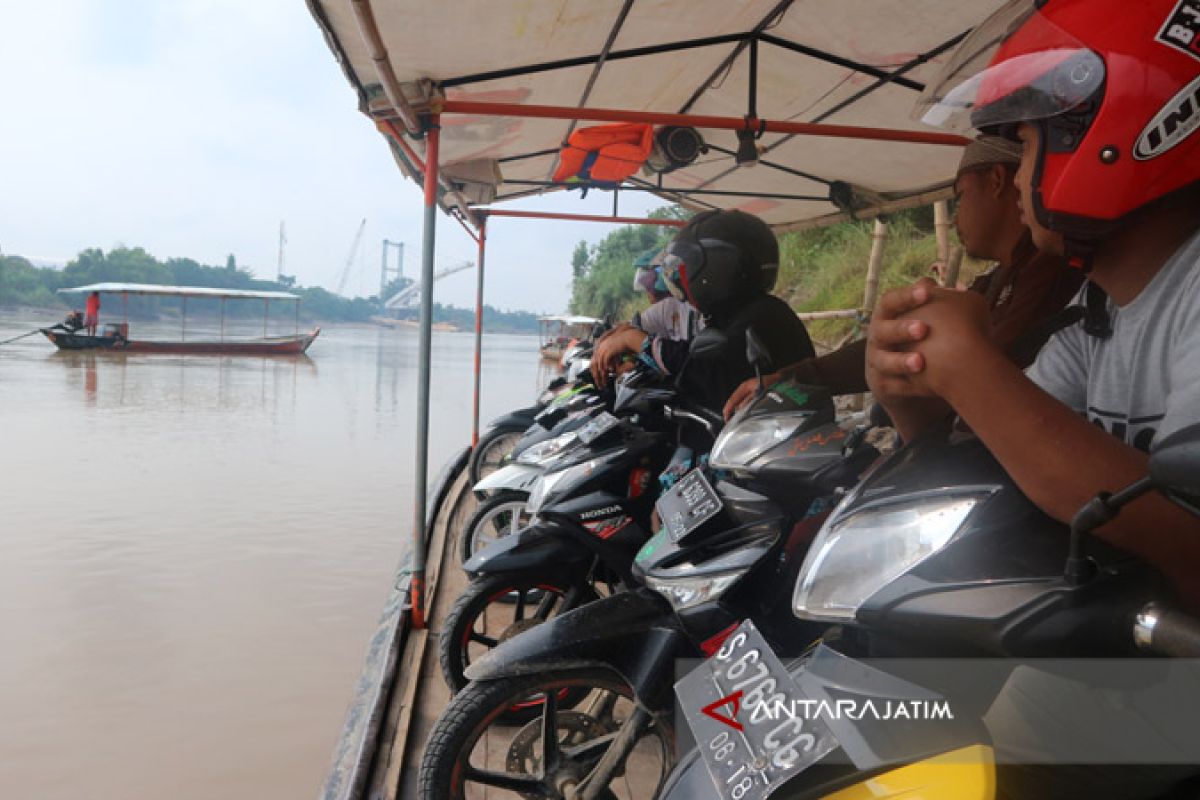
<point>592,510</point>
<point>935,553</point>
<point>602,672</point>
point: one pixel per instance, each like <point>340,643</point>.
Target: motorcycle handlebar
<point>1167,631</point>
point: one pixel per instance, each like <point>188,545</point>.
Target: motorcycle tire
<point>506,598</point>
<point>446,767</point>
<point>489,454</point>
<point>500,515</point>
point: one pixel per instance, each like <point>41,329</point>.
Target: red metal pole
<point>698,121</point>
<point>482,239</point>
<point>468,230</point>
<point>501,212</point>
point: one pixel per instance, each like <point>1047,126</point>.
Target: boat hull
<point>272,346</point>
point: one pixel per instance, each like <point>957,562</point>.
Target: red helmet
<point>1114,87</point>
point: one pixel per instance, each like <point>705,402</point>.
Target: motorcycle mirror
<point>757,355</point>
<point>1175,465</point>
<point>707,342</point>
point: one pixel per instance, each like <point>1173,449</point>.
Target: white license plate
<point>602,424</point>
<point>740,705</point>
<point>687,505</point>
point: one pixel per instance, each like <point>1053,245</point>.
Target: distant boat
<point>557,334</point>
<point>72,335</point>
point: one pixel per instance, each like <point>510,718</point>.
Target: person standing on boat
<point>91,316</point>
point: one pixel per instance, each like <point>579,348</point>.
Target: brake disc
<point>574,729</point>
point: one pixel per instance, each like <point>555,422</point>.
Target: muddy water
<point>194,552</point>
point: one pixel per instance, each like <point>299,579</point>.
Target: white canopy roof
<point>180,291</point>
<point>569,320</point>
<point>847,62</point>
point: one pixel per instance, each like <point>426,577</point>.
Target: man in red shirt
<point>91,317</point>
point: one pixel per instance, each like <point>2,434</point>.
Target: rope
<point>22,336</point>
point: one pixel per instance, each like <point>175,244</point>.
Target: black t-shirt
<point>709,379</point>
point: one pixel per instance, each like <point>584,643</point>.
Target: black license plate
<point>741,706</point>
<point>687,505</point>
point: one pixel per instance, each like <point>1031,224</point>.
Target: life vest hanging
<point>604,154</point>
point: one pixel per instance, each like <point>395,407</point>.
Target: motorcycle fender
<point>538,547</point>
<point>521,418</point>
<point>514,477</point>
<point>634,633</point>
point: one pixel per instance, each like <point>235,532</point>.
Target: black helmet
<point>721,259</point>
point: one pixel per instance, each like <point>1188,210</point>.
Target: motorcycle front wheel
<point>495,608</point>
<point>494,446</point>
<point>470,753</point>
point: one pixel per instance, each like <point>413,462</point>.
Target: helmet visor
<point>1015,67</point>
<point>675,269</point>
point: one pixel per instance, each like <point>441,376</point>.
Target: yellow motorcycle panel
<point>968,773</point>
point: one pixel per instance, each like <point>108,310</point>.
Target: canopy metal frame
<point>405,121</point>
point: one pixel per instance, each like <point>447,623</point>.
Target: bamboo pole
<point>871,292</point>
<point>953,265</point>
<point>941,228</point>
<point>848,313</point>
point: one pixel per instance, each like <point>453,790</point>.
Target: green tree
<point>579,260</point>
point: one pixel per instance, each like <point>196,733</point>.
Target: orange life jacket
<point>605,153</point>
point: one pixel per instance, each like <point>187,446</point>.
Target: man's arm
<point>1057,457</point>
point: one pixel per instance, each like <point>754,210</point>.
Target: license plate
<point>687,505</point>
<point>602,424</point>
<point>741,706</point>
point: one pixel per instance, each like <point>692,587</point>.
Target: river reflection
<point>196,550</point>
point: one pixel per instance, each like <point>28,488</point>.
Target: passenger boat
<point>826,123</point>
<point>557,333</point>
<point>71,335</point>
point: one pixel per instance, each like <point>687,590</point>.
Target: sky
<point>193,128</point>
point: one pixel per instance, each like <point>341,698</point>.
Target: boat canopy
<point>180,291</point>
<point>569,320</point>
<point>843,74</point>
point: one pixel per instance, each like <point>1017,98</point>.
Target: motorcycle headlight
<point>684,593</point>
<point>544,451</point>
<point>553,484</point>
<point>741,443</point>
<point>855,556</point>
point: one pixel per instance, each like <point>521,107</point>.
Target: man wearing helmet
<point>1087,86</point>
<point>1104,96</point>
<point>667,315</point>
<point>724,264</point>
<point>1025,292</point>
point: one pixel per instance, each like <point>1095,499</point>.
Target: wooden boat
<point>115,336</point>
<point>557,334</point>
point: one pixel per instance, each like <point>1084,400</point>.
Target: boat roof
<point>570,320</point>
<point>833,62</point>
<point>180,291</point>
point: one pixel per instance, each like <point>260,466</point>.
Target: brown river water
<point>195,550</point>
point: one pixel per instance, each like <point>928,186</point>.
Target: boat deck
<point>418,693</point>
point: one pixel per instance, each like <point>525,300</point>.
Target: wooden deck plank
<point>420,681</point>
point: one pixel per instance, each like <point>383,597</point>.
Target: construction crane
<point>341,287</point>
<point>409,295</point>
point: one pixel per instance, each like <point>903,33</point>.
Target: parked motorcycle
<point>592,510</point>
<point>936,553</point>
<point>602,673</point>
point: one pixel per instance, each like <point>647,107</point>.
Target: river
<point>195,551</point>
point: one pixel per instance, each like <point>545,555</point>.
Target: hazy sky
<point>193,127</point>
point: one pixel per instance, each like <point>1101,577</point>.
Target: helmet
<point>1114,87</point>
<point>720,260</point>
<point>650,280</point>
